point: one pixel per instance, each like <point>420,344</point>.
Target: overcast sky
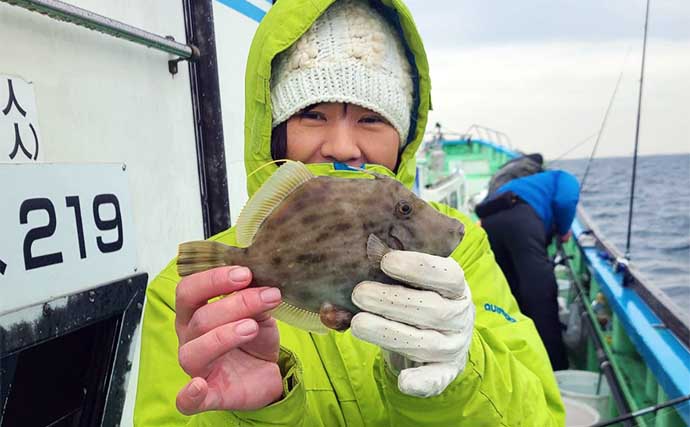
<point>543,71</point>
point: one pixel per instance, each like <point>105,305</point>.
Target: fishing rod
<point>637,135</point>
<point>571,149</point>
<point>647,410</point>
<point>603,122</point>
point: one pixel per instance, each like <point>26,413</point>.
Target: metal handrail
<point>492,135</point>
<point>66,12</point>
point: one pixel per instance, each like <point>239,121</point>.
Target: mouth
<point>397,244</point>
<point>460,231</point>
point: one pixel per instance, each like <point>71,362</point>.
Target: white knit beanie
<point>350,54</point>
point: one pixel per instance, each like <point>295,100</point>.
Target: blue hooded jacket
<point>552,194</point>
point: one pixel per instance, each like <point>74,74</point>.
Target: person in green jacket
<point>334,83</point>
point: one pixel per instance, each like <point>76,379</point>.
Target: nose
<point>341,146</point>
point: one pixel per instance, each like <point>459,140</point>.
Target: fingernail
<point>239,274</point>
<point>194,390</point>
<point>245,328</point>
<point>270,295</point>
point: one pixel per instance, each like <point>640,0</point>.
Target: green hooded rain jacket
<point>336,379</point>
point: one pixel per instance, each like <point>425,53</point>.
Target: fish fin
<point>202,255</point>
<point>284,181</point>
<point>299,318</point>
<point>376,249</point>
<point>335,317</point>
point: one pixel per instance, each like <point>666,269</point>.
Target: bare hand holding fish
<point>230,346</point>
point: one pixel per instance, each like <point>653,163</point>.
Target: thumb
<point>430,379</point>
<point>442,275</point>
<point>190,400</point>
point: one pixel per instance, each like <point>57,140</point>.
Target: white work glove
<point>430,325</point>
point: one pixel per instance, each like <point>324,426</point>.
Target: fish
<point>316,237</point>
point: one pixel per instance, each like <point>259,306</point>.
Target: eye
<point>312,115</point>
<point>403,209</point>
<point>373,119</point>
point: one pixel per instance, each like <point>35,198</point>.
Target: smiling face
<point>345,133</point>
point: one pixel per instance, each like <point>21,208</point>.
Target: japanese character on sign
<point>19,136</point>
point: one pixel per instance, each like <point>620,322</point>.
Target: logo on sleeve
<point>496,309</point>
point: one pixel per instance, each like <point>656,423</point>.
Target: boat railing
<point>450,190</point>
<point>655,327</point>
<point>490,135</point>
<point>474,132</point>
<point>671,316</point>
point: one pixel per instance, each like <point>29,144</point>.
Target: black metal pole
<point>637,135</point>
<point>607,369</point>
<point>208,119</point>
<point>644,411</point>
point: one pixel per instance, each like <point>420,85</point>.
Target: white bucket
<point>578,414</point>
<point>563,311</point>
<point>582,387</point>
<point>563,292</point>
<point>564,288</point>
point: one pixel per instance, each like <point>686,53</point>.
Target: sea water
<point>660,240</point>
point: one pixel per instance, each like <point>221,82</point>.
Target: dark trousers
<point>519,243</point>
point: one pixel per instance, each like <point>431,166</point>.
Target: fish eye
<point>403,209</point>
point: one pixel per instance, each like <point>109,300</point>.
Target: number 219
<point>32,261</point>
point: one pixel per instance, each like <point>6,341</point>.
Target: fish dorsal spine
<point>281,184</point>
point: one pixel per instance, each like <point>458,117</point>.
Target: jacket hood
<point>283,25</point>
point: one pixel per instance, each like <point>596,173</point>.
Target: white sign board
<point>64,228</point>
<point>20,139</point>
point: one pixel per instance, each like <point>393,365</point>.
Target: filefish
<point>316,237</point>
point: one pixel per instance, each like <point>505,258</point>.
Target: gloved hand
<point>431,325</point>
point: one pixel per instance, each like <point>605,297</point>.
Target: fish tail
<point>203,255</point>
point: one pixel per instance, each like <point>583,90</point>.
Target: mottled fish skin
<point>313,246</point>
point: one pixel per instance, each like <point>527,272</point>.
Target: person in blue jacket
<point>521,218</point>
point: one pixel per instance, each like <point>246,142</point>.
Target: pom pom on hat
<point>350,54</point>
